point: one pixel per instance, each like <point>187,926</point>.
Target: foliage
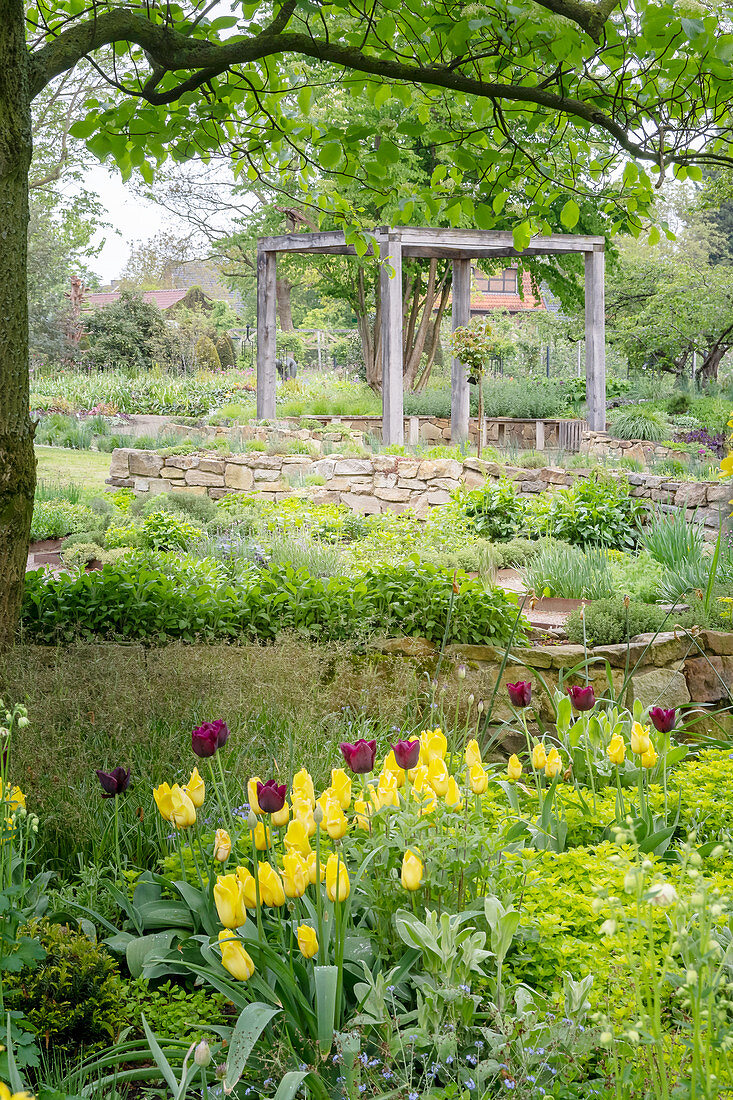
<point>639,423</point>
<point>496,512</point>
<point>129,334</point>
<point>54,518</point>
<point>127,392</point>
<point>173,1011</point>
<point>597,511</point>
<point>569,572</point>
<point>71,999</point>
<point>609,622</point>
<point>164,597</point>
<point>671,540</point>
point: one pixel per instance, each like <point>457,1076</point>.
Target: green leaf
<point>569,214</point>
<point>330,155</point>
<point>326,989</point>
<point>290,1084</point>
<point>160,1059</point>
<point>251,1023</point>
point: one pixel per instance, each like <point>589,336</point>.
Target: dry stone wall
<point>381,483</point>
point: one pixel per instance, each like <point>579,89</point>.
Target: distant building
<point>163,299</point>
<point>501,291</point>
<point>208,276</point>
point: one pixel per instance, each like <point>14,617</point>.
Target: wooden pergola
<point>461,246</point>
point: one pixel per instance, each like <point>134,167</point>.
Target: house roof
<point>163,299</point>
<point>483,300</point>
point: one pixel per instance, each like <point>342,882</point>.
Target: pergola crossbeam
<point>393,245</point>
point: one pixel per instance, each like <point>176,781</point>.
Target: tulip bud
<point>251,820</point>
<point>471,699</point>
<point>202,1054</point>
<point>318,814</point>
<point>461,672</point>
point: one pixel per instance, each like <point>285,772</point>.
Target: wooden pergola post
<point>459,402</point>
<point>390,289</point>
<point>266,330</point>
<point>595,339</point>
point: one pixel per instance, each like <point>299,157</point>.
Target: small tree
<point>475,344</point>
<point>125,335</point>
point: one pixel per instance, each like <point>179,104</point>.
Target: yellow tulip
<point>271,885</point>
<point>183,813</point>
<point>433,744</point>
<point>427,799</point>
<point>478,779</point>
<point>553,763</point>
<point>324,798</point>
<point>390,765</point>
<point>362,815</point>
<point>252,794</point>
<point>295,875</point>
<point>296,837</point>
<point>514,767</point>
<point>388,789</point>
<point>303,787</point>
<point>281,817</point>
<point>230,901</point>
<point>335,820</point>
<point>247,879</point>
<point>639,739</point>
<point>453,798</point>
<point>341,787</point>
<point>162,796</point>
<point>222,845</point>
<point>303,812</point>
<point>616,749</point>
<point>412,871</point>
<point>307,941</point>
<point>311,868</point>
<point>263,837</point>
<point>473,754</point>
<point>337,879</point>
<point>726,464</point>
<point>539,756</point>
<point>196,789</point>
<point>5,1094</point>
<point>234,958</point>
<point>419,777</point>
<point>438,776</point>
<point>649,758</point>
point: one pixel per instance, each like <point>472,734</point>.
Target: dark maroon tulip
<point>359,756</point>
<point>115,782</point>
<point>270,796</point>
<point>406,753</point>
<point>520,694</point>
<point>582,698</point>
<point>663,720</point>
<point>206,739</point>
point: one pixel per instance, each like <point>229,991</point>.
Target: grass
<point>61,466</point>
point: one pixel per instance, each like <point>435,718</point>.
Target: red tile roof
<point>483,300</point>
<point>163,299</point>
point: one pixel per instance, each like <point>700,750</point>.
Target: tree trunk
<point>708,372</point>
<point>283,288</point>
<point>17,458</point>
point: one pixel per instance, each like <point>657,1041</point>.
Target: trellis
<point>461,246</point>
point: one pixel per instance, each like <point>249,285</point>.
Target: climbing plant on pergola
<point>461,246</point>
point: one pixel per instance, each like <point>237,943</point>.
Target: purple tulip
<point>360,756</point>
<point>270,796</point>
<point>206,739</point>
<point>406,753</point>
<point>663,720</point>
<point>582,698</point>
<point>520,694</point>
<point>115,782</point>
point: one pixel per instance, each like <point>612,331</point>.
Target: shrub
<point>128,334</point>
<point>172,1011</point>
<point>207,357</point>
<point>71,999</point>
<point>596,511</point>
<point>169,531</point>
<point>606,621</point>
<point>516,552</point>
<point>54,518</point>
<point>201,509</point>
<point>167,596</point>
<point>225,351</point>
<point>640,423</point>
<point>496,512</point>
<point>678,404</point>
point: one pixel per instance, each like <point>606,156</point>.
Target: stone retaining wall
<point>674,669</point>
<point>603,445</point>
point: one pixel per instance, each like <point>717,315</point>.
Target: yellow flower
<point>337,879</point>
<point>639,739</point>
<point>230,901</point>
<point>263,836</point>
<point>616,749</point>
<point>726,465</point>
<point>473,754</point>
<point>5,1094</point>
<point>514,767</point>
<point>271,885</point>
<point>196,789</point>
<point>478,779</point>
<point>453,798</point>
<point>649,758</point>
<point>391,766</point>
<point>222,845</point>
<point>335,820</point>
<point>296,837</point>
<point>412,871</point>
<point>183,812</point>
<point>419,777</point>
<point>310,863</point>
<point>303,812</point>
<point>295,874</point>
<point>433,744</point>
<point>362,814</point>
<point>234,958</point>
<point>162,796</point>
<point>252,794</point>
<point>341,787</point>
<point>438,776</point>
<point>553,764</point>
<point>247,879</point>
<point>281,817</point>
<point>427,799</point>
<point>324,798</point>
<point>388,789</point>
<point>303,787</point>
<point>539,756</point>
<point>14,796</point>
<point>307,941</point>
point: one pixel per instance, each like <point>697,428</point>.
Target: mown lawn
<point>63,466</point>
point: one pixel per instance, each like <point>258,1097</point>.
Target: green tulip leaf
<point>251,1023</point>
